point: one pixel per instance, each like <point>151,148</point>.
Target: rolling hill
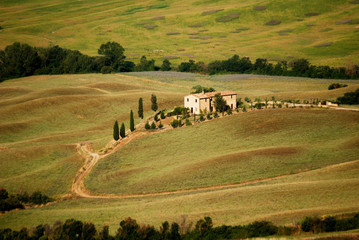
<point>325,32</point>
<point>277,165</point>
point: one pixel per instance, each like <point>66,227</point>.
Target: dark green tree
<point>132,122</point>
<point>116,131</point>
<point>219,103</point>
<point>153,125</point>
<point>154,105</point>
<point>145,65</point>
<point>163,115</point>
<point>147,126</point>
<point>140,108</point>
<point>123,130</point>
<point>113,52</point>
<point>166,65</point>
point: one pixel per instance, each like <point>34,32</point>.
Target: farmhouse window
<point>187,99</point>
<point>196,100</point>
<point>206,99</point>
<point>231,96</point>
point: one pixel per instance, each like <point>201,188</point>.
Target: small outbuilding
<point>203,102</point>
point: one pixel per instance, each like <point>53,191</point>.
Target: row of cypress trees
<point>117,133</point>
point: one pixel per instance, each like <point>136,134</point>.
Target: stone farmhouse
<point>204,101</point>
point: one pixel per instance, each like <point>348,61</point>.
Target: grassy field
<point>42,118</point>
<point>236,149</point>
<point>323,31</point>
<point>331,190</point>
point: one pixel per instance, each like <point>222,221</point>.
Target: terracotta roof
<point>211,94</point>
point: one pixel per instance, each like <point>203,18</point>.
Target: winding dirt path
<point>91,158</point>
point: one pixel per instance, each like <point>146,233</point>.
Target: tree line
<point>130,230</point>
<point>297,68</point>
<point>17,201</point>
<point>20,60</point>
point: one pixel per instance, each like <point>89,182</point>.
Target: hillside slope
<point>325,32</point>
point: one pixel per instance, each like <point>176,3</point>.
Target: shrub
<point>349,98</point>
<point>244,108</point>
<point>229,111</point>
<point>262,228</point>
<point>215,115</point>
<point>328,223</point>
<point>259,105</point>
<point>174,123</point>
<point>201,117</point>
<point>106,69</point>
<point>147,126</point>
<point>209,117</point>
<point>3,194</point>
<point>188,122</point>
<point>160,125</point>
<point>336,85</point>
<point>39,198</point>
<point>163,115</point>
<point>153,126</point>
<point>311,224</point>
<point>156,118</point>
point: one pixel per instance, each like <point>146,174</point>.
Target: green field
<point>42,118</point>
<point>331,190</point>
<point>325,32</point>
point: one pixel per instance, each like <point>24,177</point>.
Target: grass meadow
<point>330,190</point>
<point>323,31</point>
<point>42,118</point>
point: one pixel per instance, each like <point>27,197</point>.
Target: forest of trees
<point>130,230</point>
<point>20,60</point>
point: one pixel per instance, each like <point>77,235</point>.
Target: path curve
<point>91,158</point>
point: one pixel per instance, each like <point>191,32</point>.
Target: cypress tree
<point>154,103</point>
<point>116,132</point>
<point>140,108</point>
<point>122,130</point>
<point>132,122</point>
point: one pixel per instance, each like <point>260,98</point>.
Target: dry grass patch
<point>345,21</point>
<point>150,26</point>
<point>197,25</point>
<point>158,18</point>
<point>311,14</point>
<point>205,37</point>
<point>327,44</point>
<point>326,30</point>
<point>13,91</point>
<point>273,22</point>
<point>173,33</point>
<point>229,17</point>
<point>171,57</point>
<point>112,86</point>
<point>260,8</point>
<point>211,11</point>
<point>285,32</point>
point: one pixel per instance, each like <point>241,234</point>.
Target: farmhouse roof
<point>211,94</point>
